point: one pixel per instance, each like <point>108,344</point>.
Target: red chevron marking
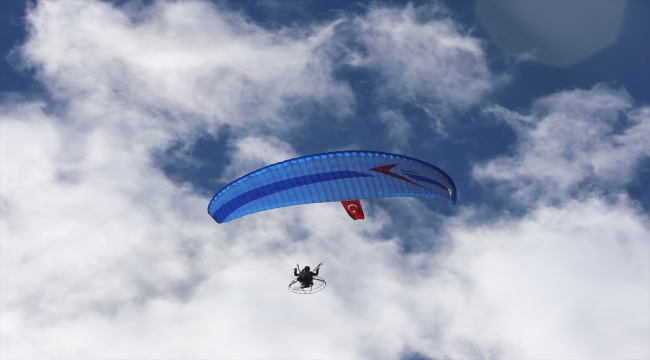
<point>386,171</point>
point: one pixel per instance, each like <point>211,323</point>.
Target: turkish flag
<point>354,209</point>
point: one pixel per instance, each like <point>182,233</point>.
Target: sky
<point>119,120</point>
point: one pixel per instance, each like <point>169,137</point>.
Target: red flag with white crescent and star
<point>354,209</point>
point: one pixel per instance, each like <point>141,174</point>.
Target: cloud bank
<point>103,256</point>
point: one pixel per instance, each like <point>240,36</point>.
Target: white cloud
<point>568,282</point>
<point>422,57</point>
<point>251,153</point>
<point>191,67</point>
<point>187,65</point>
<point>91,263</point>
<point>571,139</point>
<point>69,222</point>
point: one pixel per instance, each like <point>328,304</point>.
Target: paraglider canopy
<point>335,176</point>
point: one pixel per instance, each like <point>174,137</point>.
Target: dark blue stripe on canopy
<point>235,203</point>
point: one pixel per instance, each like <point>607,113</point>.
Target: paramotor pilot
<point>306,276</point>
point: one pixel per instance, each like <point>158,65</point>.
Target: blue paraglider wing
<point>335,176</point>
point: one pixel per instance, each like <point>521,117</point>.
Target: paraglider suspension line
<point>281,247</point>
<point>286,225</point>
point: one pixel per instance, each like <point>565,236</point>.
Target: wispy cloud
<point>422,57</point>
<point>251,153</point>
<point>572,140</point>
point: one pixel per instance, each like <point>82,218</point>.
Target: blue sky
<point>120,120</point>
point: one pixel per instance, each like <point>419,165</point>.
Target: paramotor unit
<point>313,285</point>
